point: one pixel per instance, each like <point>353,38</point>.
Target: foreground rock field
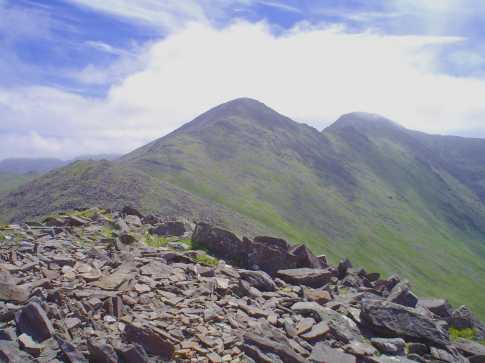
<point>101,286</point>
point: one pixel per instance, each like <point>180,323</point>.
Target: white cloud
<point>167,14</point>
<point>310,74</point>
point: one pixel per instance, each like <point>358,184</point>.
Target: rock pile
<point>86,288</point>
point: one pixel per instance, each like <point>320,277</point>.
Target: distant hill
<point>15,172</point>
<point>21,166</point>
<point>392,199</point>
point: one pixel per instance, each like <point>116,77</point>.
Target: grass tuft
<point>468,333</point>
<point>155,241</point>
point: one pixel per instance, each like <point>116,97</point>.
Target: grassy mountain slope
<point>10,182</point>
<point>84,184</point>
<point>388,198</point>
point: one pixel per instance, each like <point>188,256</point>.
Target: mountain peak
<point>364,121</point>
<point>239,108</point>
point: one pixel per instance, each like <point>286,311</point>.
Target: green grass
<point>160,241</point>
<point>155,241</point>
<point>469,333</point>
<point>205,259</point>
<point>10,182</point>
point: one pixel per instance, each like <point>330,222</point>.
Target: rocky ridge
<point>102,286</point>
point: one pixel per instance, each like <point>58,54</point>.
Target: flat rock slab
<point>265,345</point>
<point>311,277</point>
<point>14,293</point>
<point>150,340</point>
<point>322,353</point>
<point>400,321</point>
<point>469,347</point>
<point>258,279</point>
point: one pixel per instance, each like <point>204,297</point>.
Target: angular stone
<point>318,331</point>
<point>392,281</point>
<point>131,211</point>
<point>133,354</point>
<point>307,276</point>
<point>214,358</point>
<point>318,296</point>
<point>101,352</point>
<point>418,348</point>
<point>156,269</point>
<point>169,229</point>
<point>401,321</point>
<point>469,347</point>
<point>14,293</point>
<point>440,307</point>
<point>10,353</point>
<point>322,353</point>
<point>343,267</point>
<point>477,359</point>
<point>279,349</point>
<point>360,349</point>
<point>305,258</point>
<point>442,355</point>
<point>119,277</point>
<point>153,342</point>
<point>32,320</point>
<point>341,327</point>
<point>72,323</point>
<point>389,346</point>
<point>114,306</point>
<point>222,243</point>
<point>27,344</point>
<point>304,325</point>
<point>373,276</point>
<point>463,318</point>
<point>70,353</point>
<point>88,272</point>
<point>402,295</point>
<point>258,279</point>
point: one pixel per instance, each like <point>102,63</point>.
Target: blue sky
<point>86,76</point>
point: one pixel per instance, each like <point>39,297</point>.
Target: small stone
<point>360,349</point>
<point>322,353</point>
<point>389,346</point>
<point>10,291</point>
<point>72,323</point>
<point>304,325</point>
<point>214,358</point>
<point>319,330</point>
<point>153,342</point>
<point>133,354</point>
<point>402,295</point>
<point>142,288</point>
<point>27,343</point>
<point>418,348</point>
<point>319,296</point>
<point>101,352</point>
<point>109,319</point>
<point>71,354</point>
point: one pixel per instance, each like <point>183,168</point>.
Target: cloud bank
<point>311,74</point>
